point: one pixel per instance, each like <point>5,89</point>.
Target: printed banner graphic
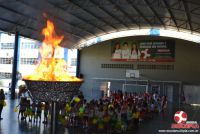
<point>147,51</point>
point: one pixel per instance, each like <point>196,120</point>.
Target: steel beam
<point>55,17</point>
<point>110,14</point>
<point>34,19</point>
<point>80,18</point>
<point>91,13</point>
<point>154,12</point>
<point>125,13</point>
<point>171,13</point>
<point>187,12</point>
<point>139,12</point>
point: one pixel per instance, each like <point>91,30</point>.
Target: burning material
<point>51,68</point>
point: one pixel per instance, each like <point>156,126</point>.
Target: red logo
<point>180,117</point>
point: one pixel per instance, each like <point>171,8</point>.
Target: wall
<point>186,66</point>
<point>192,94</point>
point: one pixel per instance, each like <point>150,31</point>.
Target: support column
<point>14,67</point>
<point>78,64</point>
<point>54,114</point>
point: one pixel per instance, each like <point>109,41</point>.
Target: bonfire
<point>50,67</point>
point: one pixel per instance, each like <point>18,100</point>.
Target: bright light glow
<point>195,104</point>
<point>185,35</point>
<point>52,66</point>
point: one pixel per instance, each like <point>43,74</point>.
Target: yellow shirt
<point>136,115</point>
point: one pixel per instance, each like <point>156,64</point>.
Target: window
<point>5,60</point>
<point>7,45</point>
<point>29,61</point>
<point>4,75</point>
<point>73,61</point>
<point>130,66</point>
<point>28,45</point>
<point>155,67</point>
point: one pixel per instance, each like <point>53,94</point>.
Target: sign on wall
<point>148,51</point>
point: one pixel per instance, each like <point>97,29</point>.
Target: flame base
<point>57,91</point>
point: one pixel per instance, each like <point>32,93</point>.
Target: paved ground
<point>11,125</point>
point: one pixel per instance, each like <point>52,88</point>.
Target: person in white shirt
<point>135,53</point>
<point>117,54</point>
<point>126,52</point>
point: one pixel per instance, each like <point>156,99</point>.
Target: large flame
<point>51,68</point>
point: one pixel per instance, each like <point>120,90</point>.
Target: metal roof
<point>83,19</point>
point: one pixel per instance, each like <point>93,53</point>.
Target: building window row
<point>5,60</point>
<point>7,46</point>
<point>23,45</point>
<point>29,61</point>
<point>4,75</point>
<point>73,62</point>
<point>29,45</point>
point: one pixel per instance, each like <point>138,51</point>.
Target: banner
<point>147,51</point>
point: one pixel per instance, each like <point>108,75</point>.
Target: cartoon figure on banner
<point>117,53</point>
<point>135,52</point>
<point>145,54</point>
<point>126,52</point>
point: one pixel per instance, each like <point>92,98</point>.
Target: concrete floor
<point>11,125</point>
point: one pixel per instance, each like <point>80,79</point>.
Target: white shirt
<point>135,54</point>
<point>117,54</point>
<point>126,54</point>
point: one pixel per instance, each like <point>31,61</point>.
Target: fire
<point>50,67</point>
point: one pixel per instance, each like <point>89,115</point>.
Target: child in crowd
<point>28,112</point>
<point>33,109</point>
<point>39,111</point>
<point>46,112</point>
<point>22,108</point>
<point>136,115</point>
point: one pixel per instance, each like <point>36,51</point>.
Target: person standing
<point>2,99</point>
<point>135,53</point>
<point>46,112</point>
<point>117,53</point>
<point>126,52</point>
<point>39,111</point>
<point>9,87</point>
<point>33,108</point>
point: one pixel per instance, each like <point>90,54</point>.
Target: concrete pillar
<point>78,64</point>
<point>14,67</point>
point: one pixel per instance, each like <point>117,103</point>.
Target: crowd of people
<point>118,112</point>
